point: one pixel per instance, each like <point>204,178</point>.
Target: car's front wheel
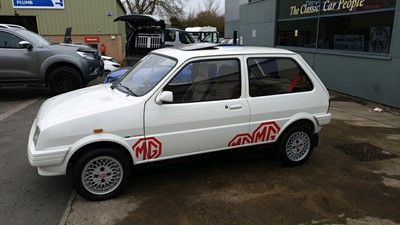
<point>101,174</point>
<point>64,79</point>
<point>296,145</point>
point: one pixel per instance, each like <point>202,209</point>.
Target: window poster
<point>349,42</point>
<point>379,39</point>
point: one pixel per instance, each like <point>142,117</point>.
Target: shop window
<point>272,76</point>
<point>353,26</point>
<point>357,33</point>
<point>299,33</point>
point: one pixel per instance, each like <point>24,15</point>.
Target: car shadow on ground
<point>222,159</point>
<point>20,93</point>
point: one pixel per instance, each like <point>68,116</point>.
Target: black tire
<point>101,174</point>
<point>64,79</point>
<point>296,145</point>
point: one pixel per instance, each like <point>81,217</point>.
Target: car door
<point>207,111</point>
<point>17,64</point>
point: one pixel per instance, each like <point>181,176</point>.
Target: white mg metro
<point>179,102</point>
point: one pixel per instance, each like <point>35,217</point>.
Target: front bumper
<point>50,162</point>
<point>96,69</point>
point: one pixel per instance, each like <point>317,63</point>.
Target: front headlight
<point>87,55</point>
<point>36,135</point>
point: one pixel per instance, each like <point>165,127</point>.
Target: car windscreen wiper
<point>118,83</point>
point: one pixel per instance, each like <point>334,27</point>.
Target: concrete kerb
<point>64,218</point>
<point>337,96</point>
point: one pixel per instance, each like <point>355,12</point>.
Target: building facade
<point>89,22</point>
<point>353,45</point>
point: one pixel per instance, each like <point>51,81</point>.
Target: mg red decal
<point>266,131</point>
<point>240,139</point>
<point>148,148</point>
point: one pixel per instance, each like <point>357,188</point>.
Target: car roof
<point>11,26</point>
<point>173,29</point>
<point>206,49</point>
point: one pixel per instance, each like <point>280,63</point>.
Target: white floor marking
<point>16,109</point>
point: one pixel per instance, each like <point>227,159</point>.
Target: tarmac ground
<point>353,177</point>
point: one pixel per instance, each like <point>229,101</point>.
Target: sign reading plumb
<point>38,4</point>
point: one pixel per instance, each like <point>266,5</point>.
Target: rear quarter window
<point>273,76</point>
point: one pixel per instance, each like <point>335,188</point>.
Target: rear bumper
<point>323,119</point>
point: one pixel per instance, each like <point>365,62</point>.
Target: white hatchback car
<point>110,64</point>
<point>179,102</point>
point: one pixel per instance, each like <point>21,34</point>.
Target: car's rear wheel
<point>64,79</point>
<point>296,145</point>
<point>101,174</point>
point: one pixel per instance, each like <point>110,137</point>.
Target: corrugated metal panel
<point>86,17</point>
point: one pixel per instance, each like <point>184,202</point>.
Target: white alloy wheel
<point>102,175</point>
<point>298,146</point>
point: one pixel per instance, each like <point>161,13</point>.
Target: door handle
<point>237,106</point>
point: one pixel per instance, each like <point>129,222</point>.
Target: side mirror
<point>165,96</point>
<point>25,44</point>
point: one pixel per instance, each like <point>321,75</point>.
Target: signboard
<point>92,39</point>
<point>38,4</point>
<point>305,8</point>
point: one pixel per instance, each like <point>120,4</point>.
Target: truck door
<point>17,63</point>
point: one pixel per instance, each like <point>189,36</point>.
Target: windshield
<point>34,38</point>
<point>146,74</point>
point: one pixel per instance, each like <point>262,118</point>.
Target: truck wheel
<point>64,79</point>
<point>101,174</point>
<point>296,145</point>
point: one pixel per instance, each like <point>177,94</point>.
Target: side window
<point>271,76</point>
<point>8,40</point>
<point>183,38</point>
<point>209,80</point>
<point>169,35</point>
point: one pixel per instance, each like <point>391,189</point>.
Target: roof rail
<point>4,25</point>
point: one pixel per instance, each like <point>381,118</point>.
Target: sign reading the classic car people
<point>305,8</point>
<point>39,4</point>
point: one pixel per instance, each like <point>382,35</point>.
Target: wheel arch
<point>91,146</point>
<point>303,122</point>
<point>56,65</point>
<point>307,122</point>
